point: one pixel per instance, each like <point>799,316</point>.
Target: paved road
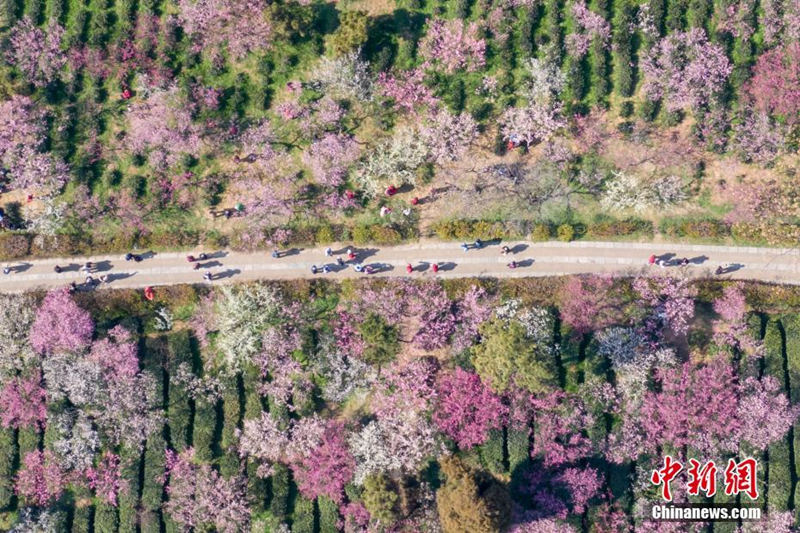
<point>536,259</point>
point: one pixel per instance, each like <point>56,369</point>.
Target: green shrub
<point>541,232</point>
<point>626,108</point>
<point>361,235</point>
<point>303,515</point>
<point>105,518</point>
<point>80,518</point>
<point>385,235</point>
<point>648,109</point>
<point>129,499</point>
<point>229,463</point>
<point>518,449</point>
<point>324,235</point>
<point>279,501</point>
<point>178,409</point>
<point>565,232</point>
<point>328,515</point>
<point>491,453</point>
<point>205,421</point>
<point>695,229</point>
<point>8,450</point>
<point>605,228</point>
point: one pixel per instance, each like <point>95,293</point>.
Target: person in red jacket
<point>435,268</point>
<point>409,268</point>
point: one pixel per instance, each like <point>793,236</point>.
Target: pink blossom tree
<point>60,324</point>
<point>407,89</point>
<point>671,301</point>
<point>775,85</point>
<point>198,496</point>
<point>453,45</point>
<point>330,157</point>
<point>35,52</point>
<point>583,484</point>
<point>116,354</point>
<point>106,479</point>
<point>328,467</point>
<point>40,481</point>
<point>219,24</point>
<point>560,424</point>
<point>466,409</point>
<point>161,127</point>
<point>685,69</point>
<point>589,303</point>
<point>732,329</point>
<point>23,137</point>
<point>23,402</point>
<point>765,414</point>
<point>589,26</point>
<point>534,123</point>
<point>448,136</point>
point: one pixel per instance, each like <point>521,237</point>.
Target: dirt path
<point>535,259</point>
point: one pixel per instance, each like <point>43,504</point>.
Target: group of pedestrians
<point>684,262</point>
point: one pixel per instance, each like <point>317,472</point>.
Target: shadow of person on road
<point>217,255</point>
<point>210,264</point>
<point>699,260</point>
<point>423,266</point>
<point>72,267</point>
<point>149,254</point>
<point>290,251</point>
<point>733,267</point>
<point>525,263</point>
<point>667,258</point>
<point>227,273</point>
<point>120,276</point>
<point>20,267</point>
<point>381,267</point>
<point>102,266</point>
<point>449,265</point>
<point>519,248</point>
<point>364,253</point>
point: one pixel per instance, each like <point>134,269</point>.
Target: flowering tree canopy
<point>467,409</point>
<point>219,23</point>
<point>37,53</point>
<point>22,139</point>
<point>454,45</point>
<point>685,69</point>
<point>60,324</point>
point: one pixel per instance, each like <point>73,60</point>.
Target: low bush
<point>541,232</point>
<point>695,229</point>
<point>606,227</point>
<point>14,245</point>
<point>565,232</point>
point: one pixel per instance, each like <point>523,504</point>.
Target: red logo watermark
<point>739,477</point>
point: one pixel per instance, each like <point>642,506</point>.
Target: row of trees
<point>228,417</point>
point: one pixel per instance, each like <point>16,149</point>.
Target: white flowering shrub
<point>629,192</point>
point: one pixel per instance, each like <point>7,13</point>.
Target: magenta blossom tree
<point>23,402</point>
<point>328,468</point>
<point>466,409</point>
<point>407,89</point>
<point>453,45</point>
<point>60,324</point>
<point>40,481</point>
<point>686,70</point>
<point>116,354</point>
<point>775,85</point>
<point>671,303</point>
<point>106,479</point>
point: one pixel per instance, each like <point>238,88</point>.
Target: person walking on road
<point>6,270</point>
<point>409,268</point>
<point>57,269</point>
<point>207,276</point>
<point>652,260</point>
<point>465,247</point>
<point>328,252</point>
<point>435,267</point>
